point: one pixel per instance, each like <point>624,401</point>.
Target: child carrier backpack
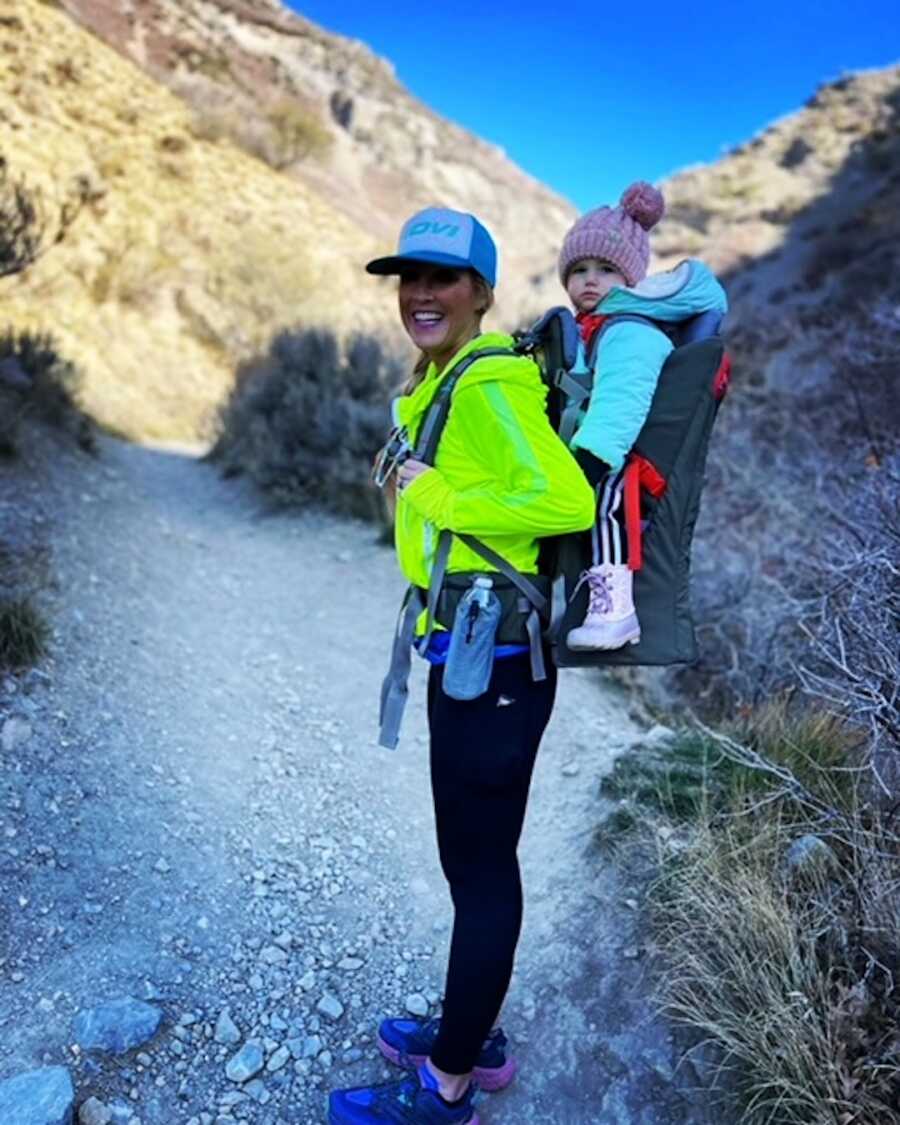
<point>664,478</point>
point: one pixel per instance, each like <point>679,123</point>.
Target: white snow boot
<point>611,621</point>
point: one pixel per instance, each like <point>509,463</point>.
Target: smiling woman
<point>441,307</point>
<point>472,509</point>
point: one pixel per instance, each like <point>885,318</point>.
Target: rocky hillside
<point>333,115</point>
<point>236,166</point>
<point>243,199</point>
<point>186,253</point>
<point>803,222</point>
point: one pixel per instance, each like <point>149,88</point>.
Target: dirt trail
<point>202,779</point>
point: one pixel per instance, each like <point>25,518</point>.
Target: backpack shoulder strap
<point>438,412</point>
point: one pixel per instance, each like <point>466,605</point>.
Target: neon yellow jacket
<point>501,473</point>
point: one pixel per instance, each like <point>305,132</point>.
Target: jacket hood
<point>675,295</point>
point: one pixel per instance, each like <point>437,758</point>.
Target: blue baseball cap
<point>447,238</point>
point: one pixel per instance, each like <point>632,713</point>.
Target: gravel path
<point>200,817</point>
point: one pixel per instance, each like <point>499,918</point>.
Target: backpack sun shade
<point>664,476</point>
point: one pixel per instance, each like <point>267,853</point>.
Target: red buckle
<point>723,378</point>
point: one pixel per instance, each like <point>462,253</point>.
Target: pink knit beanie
<point>616,234</point>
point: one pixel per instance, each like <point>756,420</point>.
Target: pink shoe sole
<point>487,1078</point>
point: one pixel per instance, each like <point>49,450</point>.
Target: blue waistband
<point>439,645</point>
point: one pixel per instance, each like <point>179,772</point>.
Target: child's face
<point>589,281</point>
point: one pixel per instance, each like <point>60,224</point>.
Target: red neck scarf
<point>588,324</point>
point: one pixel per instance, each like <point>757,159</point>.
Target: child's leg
<point>611,621</point>
<point>609,543</point>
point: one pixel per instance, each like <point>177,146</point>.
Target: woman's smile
<point>439,307</point>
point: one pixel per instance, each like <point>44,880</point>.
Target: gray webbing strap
<point>571,387</point>
<point>433,427</point>
<point>535,646</point>
<point>557,607</point>
<point>438,571</point>
<point>395,688</point>
<point>568,422</point>
<point>535,597</point>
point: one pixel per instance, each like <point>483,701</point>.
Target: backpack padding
<point>556,336</point>
<point>684,401</point>
<point>686,379</point>
<point>703,326</point>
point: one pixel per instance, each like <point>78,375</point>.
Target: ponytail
<point>417,374</point>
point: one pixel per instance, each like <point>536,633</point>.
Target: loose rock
<point>117,1026</point>
<point>331,1007</point>
<point>417,1004</point>
<point>16,733</point>
<point>38,1097</point>
<point>246,1063</point>
<point>94,1112</point>
<point>226,1029</point>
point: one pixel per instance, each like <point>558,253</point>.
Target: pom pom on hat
<point>644,203</point>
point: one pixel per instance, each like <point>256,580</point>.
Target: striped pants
<point>609,542</point>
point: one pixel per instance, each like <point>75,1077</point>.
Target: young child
<point>603,266</point>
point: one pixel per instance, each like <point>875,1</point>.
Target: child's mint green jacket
<point>631,355</point>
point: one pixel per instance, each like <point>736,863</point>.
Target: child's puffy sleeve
<point>629,360</point>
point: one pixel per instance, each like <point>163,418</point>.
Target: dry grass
<point>789,971</point>
<point>23,633</point>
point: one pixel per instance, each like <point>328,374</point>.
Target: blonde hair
<point>485,294</point>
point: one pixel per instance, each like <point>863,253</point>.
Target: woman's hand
<point>408,471</point>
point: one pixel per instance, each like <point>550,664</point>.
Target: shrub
<point>791,980</point>
<point>287,133</point>
<point>23,633</point>
<point>21,224</point>
<point>305,420</point>
<point>297,132</point>
<point>37,382</point>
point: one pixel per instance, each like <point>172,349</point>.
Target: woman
<point>500,474</point>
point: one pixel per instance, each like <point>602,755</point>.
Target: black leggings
<point>482,756</point>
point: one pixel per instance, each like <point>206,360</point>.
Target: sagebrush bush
<point>37,382</point>
<point>297,131</point>
<point>23,633</point>
<point>22,223</point>
<point>305,420</point>
<point>288,132</point>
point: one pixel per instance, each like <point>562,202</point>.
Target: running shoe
<point>412,1100</point>
<point>409,1042</point>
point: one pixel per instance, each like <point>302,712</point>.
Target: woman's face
<point>441,308</point>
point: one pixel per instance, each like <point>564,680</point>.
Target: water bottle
<point>470,658</point>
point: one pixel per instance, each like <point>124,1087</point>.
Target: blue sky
<point>587,103</point>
